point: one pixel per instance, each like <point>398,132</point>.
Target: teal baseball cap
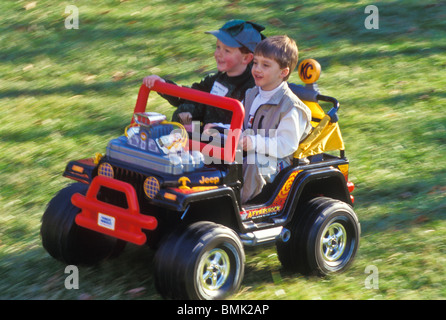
<point>238,33</point>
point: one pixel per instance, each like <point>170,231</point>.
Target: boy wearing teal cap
<point>236,41</point>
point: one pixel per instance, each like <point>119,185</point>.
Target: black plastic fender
<point>327,181</point>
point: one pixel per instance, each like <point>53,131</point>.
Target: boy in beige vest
<point>275,119</point>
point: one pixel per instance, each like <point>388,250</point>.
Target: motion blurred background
<point>64,93</point>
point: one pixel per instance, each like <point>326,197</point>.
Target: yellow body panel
<point>325,136</point>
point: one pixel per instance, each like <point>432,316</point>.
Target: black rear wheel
<point>324,238</point>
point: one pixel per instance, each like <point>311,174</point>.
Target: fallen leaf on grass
<point>276,22</point>
<point>85,296</point>
<point>119,75</point>
<point>437,189</point>
<point>30,5</point>
<point>421,219</point>
<point>90,78</point>
<point>136,292</point>
<point>406,195</point>
<point>28,67</point>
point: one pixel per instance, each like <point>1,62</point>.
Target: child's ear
<point>285,72</point>
<point>248,57</point>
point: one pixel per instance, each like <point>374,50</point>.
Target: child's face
<point>267,73</point>
<point>231,60</point>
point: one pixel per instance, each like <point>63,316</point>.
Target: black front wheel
<point>64,240</point>
<point>324,238</point>
<point>203,261</point>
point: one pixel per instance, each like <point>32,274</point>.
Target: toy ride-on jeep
<point>161,185</point>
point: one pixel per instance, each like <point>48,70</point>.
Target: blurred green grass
<point>65,93</point>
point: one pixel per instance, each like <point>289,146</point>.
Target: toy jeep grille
<point>117,198</point>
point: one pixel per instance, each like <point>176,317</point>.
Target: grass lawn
<point>64,93</point>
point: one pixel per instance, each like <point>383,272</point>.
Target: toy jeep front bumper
<point>122,223</point>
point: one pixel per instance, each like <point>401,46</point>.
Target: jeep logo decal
<point>210,180</point>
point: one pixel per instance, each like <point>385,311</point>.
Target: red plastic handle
<point>226,153</point>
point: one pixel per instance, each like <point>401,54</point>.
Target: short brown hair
<point>244,50</point>
<point>282,49</point>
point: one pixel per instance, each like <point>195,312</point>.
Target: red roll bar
<point>227,153</point>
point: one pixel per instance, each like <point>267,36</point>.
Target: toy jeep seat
<point>326,135</point>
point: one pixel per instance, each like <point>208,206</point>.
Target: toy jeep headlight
<point>151,187</point>
<point>106,170</point>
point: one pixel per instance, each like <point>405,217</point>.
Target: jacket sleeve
<point>204,85</point>
<point>283,141</point>
<point>174,101</point>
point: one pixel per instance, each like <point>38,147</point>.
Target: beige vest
<point>269,115</point>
